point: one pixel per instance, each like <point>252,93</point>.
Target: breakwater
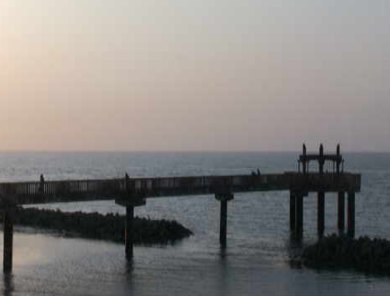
<point>363,254</point>
<point>106,227</point>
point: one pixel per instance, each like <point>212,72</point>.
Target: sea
<point>255,262</point>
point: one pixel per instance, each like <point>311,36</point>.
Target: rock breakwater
<point>106,227</point>
<point>364,254</point>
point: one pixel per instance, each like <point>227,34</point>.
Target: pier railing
<point>106,189</point>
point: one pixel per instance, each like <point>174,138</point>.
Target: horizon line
<point>175,151</point>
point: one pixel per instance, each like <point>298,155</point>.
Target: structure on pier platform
<point>133,192</point>
<point>297,194</point>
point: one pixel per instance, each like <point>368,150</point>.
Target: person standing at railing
<point>41,187</point>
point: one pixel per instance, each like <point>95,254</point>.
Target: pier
<point>133,192</point>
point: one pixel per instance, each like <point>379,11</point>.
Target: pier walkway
<point>133,192</point>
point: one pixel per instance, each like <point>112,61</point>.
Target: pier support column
<point>129,231</point>
<point>8,240</point>
<point>130,205</point>
<point>321,214</point>
<point>299,216</point>
<point>292,212</point>
<point>223,198</point>
<point>341,211</point>
<point>351,214</point>
<point>130,201</point>
<point>223,223</point>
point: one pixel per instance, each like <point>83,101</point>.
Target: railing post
<point>351,214</point>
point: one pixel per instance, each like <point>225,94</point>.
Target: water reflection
<point>129,277</point>
<point>129,267</point>
<point>295,242</point>
<point>294,247</point>
<point>222,252</point>
<point>223,272</point>
<point>9,287</point>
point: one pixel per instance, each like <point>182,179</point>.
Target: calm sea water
<point>254,263</point>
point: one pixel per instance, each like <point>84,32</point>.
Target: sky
<point>261,75</point>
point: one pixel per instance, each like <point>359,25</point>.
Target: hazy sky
<point>194,75</point>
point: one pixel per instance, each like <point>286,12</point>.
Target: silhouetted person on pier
<point>41,184</point>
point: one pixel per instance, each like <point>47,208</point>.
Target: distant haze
<point>194,75</point>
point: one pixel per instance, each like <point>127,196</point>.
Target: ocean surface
<point>256,261</point>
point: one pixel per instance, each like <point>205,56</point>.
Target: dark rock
<point>107,227</point>
<point>364,254</point>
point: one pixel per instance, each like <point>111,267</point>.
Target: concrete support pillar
<point>223,198</point>
<point>321,214</point>
<point>130,199</point>
<point>8,240</point>
<point>129,231</point>
<point>321,197</point>
<point>223,223</point>
<point>130,203</point>
<point>351,214</point>
<point>292,212</point>
<point>299,216</point>
<point>341,211</point>
<point>304,163</point>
